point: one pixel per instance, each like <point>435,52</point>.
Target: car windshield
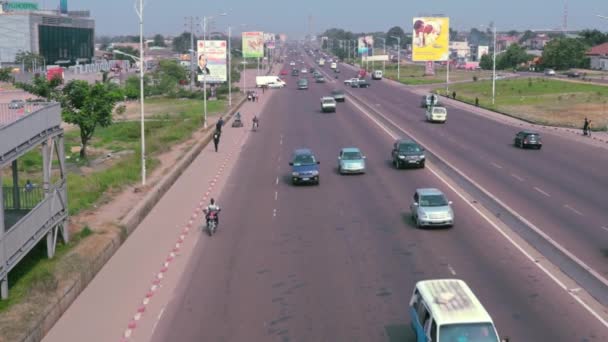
<point>472,332</point>
<point>351,155</point>
<point>433,201</point>
<point>337,92</point>
<point>328,100</point>
<point>409,148</point>
<point>304,159</point>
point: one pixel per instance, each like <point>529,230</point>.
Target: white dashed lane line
<point>517,177</point>
<point>276,195</point>
<point>542,192</point>
<point>567,206</point>
<point>496,165</point>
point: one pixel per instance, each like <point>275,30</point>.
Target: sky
<point>117,17</point>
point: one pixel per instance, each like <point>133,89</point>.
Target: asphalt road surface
<point>338,262</point>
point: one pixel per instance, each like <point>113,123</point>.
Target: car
<point>316,74</point>
<point>275,85</point>
<point>573,74</point>
<point>292,63</point>
<point>351,160</point>
<point>350,81</point>
<point>407,152</point>
<point>16,104</point>
<point>304,167</point>
<point>429,100</point>
<point>302,83</point>
<point>295,72</point>
<point>525,139</point>
<point>328,104</point>
<point>303,71</point>
<point>337,71</point>
<point>338,95</point>
<point>436,114</point>
<point>377,75</point>
<point>430,207</point>
<point>312,71</point>
<point>549,72</point>
<point>283,72</point>
<point>320,79</point>
<point>360,83</point>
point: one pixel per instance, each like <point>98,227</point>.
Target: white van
<point>377,75</point>
<point>447,310</point>
<point>333,65</point>
<point>265,81</point>
<point>436,114</point>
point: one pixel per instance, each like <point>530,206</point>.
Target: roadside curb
<point>128,224</point>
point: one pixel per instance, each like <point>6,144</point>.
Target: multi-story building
<point>62,37</point>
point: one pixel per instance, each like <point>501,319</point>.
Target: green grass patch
<point>36,272</point>
<point>540,100</point>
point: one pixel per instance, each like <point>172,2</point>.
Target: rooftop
<point>598,50</point>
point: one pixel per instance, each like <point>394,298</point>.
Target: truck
<point>53,72</point>
<point>333,65</point>
<point>269,81</point>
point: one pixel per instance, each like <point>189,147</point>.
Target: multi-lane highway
<point>338,262</point>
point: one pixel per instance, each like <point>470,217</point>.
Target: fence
<point>10,112</point>
<point>28,199</point>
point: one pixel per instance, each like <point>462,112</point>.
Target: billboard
<point>269,40</point>
<point>430,39</point>
<point>211,63</point>
<point>482,50</point>
<point>365,45</point>
<point>253,44</point>
<point>376,58</point>
<point>283,37</point>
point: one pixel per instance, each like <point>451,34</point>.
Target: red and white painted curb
<point>183,234</point>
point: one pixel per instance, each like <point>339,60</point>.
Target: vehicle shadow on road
<point>399,332</point>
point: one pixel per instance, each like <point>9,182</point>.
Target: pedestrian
<point>29,186</point>
<point>219,124</point>
<point>454,95</point>
<point>477,101</point>
<point>216,139</point>
<point>586,126</point>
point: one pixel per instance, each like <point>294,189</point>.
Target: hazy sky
<point>291,17</point>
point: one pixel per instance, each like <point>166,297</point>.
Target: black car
<point>320,79</point>
<point>525,139</point>
<point>407,152</point>
<point>361,83</point>
<point>573,74</point>
<point>338,95</point>
<point>295,72</point>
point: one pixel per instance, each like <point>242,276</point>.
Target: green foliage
<point>131,88</point>
<point>512,57</point>
<point>486,62</point>
<point>29,60</point>
<point>88,106</point>
<point>181,43</point>
<point>42,87</point>
<point>593,37</point>
<point>126,49</point>
<point>527,35</point>
<point>159,40</point>
<point>6,75</point>
<point>565,53</point>
<point>395,31</point>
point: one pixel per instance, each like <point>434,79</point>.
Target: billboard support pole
<point>229,68</point>
<point>204,76</point>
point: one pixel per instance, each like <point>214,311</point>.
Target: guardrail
<point>10,112</point>
<point>24,198</point>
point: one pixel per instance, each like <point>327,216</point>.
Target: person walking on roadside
<point>454,95</point>
<point>216,139</point>
<point>586,126</point>
<point>219,124</point>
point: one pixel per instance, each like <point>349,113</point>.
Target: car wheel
<point>418,225</point>
<point>339,170</point>
<point>539,147</point>
<point>396,163</point>
<point>422,165</point>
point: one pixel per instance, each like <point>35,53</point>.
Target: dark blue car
<point>304,167</point>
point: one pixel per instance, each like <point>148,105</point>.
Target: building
<point>538,42</point>
<point>62,37</point>
<point>503,42</point>
<point>598,56</point>
<point>460,49</point>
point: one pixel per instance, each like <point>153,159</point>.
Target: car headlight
<point>401,157</point>
<point>422,156</point>
<point>315,172</point>
<point>422,215</point>
<point>295,174</point>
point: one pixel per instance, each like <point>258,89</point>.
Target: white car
<point>328,104</point>
<point>275,85</point>
<point>351,81</point>
<point>304,71</point>
<point>549,72</point>
<point>436,114</point>
<point>292,63</point>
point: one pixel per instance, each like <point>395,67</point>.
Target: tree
<point>453,34</point>
<point>395,31</point>
<point>181,43</point>
<point>159,40</point>
<point>486,62</point>
<point>170,73</point>
<point>527,35</point>
<point>29,60</point>
<point>41,87</point>
<point>131,89</point>
<point>125,49</point>
<point>5,75</point>
<point>477,37</point>
<point>88,106</point>
<point>512,57</point>
<point>593,37</point>
<point>512,33</point>
<point>565,53</point>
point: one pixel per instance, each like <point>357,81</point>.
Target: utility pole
<point>190,21</point>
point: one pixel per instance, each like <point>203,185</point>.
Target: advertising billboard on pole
<point>269,40</point>
<point>211,64</point>
<point>365,45</point>
<point>253,44</point>
<point>430,39</point>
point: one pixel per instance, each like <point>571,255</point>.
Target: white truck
<point>333,65</point>
<point>328,104</point>
<point>269,81</point>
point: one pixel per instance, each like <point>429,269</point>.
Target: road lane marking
<point>276,195</point>
<point>527,255</point>
<point>451,270</point>
<point>274,213</point>
<point>567,206</point>
<point>276,182</point>
<point>517,177</point>
<point>605,228</point>
<point>496,165</point>
<point>542,192</point>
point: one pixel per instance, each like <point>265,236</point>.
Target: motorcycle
<point>211,221</point>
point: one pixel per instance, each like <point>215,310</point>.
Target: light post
<point>205,19</point>
<point>494,70</point>
<point>229,68</point>
<point>398,57</point>
<point>383,62</point>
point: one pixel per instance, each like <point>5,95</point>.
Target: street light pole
<point>383,62</point>
<point>205,76</point>
<point>398,57</point>
<point>229,68</point>
<point>494,70</point>
<point>140,13</point>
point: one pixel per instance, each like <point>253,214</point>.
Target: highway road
<point>338,262</point>
<point>560,189</point>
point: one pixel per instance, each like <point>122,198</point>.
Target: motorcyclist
<point>212,207</point>
<point>256,122</point>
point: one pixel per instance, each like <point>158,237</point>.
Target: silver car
<point>431,208</point>
<point>351,160</point>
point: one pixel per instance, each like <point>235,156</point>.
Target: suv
<point>304,167</point>
<point>407,152</point>
<point>525,139</point>
<point>431,208</point>
<point>328,104</point>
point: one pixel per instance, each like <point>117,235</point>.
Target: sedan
<point>338,95</point>
<point>351,160</point>
<point>350,81</point>
<point>16,104</point>
<point>431,208</point>
<point>303,71</point>
<point>525,139</point>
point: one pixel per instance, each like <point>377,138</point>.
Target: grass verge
<point>413,74</point>
<point>540,100</point>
